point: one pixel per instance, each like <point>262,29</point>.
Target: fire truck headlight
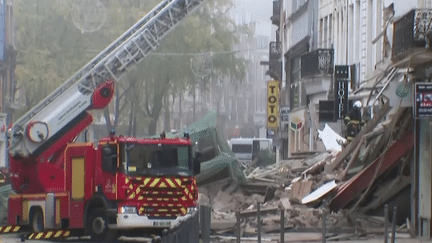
<point>128,210</point>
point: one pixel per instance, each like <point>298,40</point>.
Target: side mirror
<point>197,163</point>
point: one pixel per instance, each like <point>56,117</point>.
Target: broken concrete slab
<point>300,189</point>
<point>319,192</point>
<point>286,204</point>
<point>310,161</point>
<point>223,224</point>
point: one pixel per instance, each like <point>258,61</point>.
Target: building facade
<point>377,48</point>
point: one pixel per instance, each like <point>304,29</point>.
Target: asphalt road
<point>289,237</point>
<point>14,238</point>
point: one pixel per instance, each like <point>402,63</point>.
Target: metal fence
<point>187,231</point>
<point>190,230</point>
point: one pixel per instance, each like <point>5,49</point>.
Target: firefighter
<point>353,121</point>
<point>2,176</point>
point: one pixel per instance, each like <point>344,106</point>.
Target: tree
<point>51,48</point>
<point>168,72</point>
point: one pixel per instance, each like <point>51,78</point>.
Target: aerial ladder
<point>39,138</point>
<point>46,124</point>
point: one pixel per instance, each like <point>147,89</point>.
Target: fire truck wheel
<point>97,226</point>
<point>37,221</point>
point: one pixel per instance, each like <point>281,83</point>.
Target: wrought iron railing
<point>412,31</point>
<point>317,62</point>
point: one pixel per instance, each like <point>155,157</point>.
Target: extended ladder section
<point>45,121</point>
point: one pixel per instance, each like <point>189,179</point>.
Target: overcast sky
<point>258,11</point>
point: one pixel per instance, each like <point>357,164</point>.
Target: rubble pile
<point>235,198</point>
<point>345,185</point>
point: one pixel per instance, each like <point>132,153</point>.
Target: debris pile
<point>346,185</point>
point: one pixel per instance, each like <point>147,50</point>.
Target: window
<point>325,32</point>
<point>295,69</point>
<point>242,148</point>
<point>143,159</point>
<point>321,30</point>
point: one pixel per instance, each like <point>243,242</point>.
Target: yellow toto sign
<point>272,104</point>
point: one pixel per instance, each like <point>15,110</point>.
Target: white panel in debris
<point>332,141</point>
<point>320,192</point>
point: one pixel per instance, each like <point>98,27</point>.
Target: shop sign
<point>341,101</point>
<point>295,95</point>
<point>326,111</point>
<point>272,104</point>
<point>341,91</point>
<point>297,120</point>
<point>423,100</point>
<point>284,114</point>
<point>296,125</point>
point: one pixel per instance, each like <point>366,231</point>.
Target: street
<point>13,238</point>
<point>272,238</point>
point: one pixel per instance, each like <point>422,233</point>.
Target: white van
<point>247,149</point>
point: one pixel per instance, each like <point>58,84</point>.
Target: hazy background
<point>258,11</point>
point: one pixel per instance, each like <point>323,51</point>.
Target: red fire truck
<point>119,184</point>
<point>123,183</point>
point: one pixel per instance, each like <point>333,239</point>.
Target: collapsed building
<point>373,170</point>
<point>356,180</point>
<point>387,163</point>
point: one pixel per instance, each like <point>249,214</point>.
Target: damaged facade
<point>379,52</point>
<point>334,53</point>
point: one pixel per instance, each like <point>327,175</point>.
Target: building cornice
<point>299,48</point>
<point>298,12</point>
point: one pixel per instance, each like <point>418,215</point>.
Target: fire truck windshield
<point>145,159</point>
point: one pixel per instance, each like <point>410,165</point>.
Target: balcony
<point>411,33</point>
<point>275,65</point>
<point>275,18</point>
<point>317,63</point>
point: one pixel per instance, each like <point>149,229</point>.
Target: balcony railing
<point>411,31</point>
<point>317,63</point>
<point>275,18</point>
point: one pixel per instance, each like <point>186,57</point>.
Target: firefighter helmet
<point>357,104</point>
